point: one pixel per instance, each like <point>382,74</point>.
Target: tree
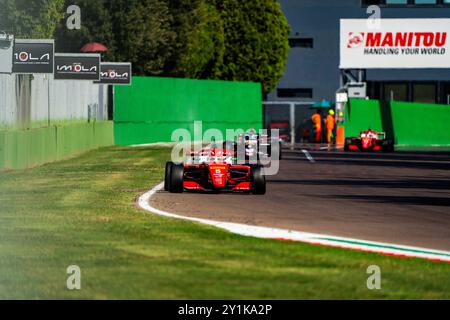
<point>201,39</point>
<point>256,41</point>
<point>96,26</point>
<point>31,19</point>
<point>142,31</point>
<point>138,31</point>
<point>199,46</point>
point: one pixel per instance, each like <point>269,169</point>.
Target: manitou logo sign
<point>399,43</point>
<point>115,73</point>
<point>33,56</point>
<point>355,40</point>
<point>77,67</point>
<point>398,39</point>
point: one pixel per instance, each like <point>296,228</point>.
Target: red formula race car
<point>369,140</point>
<point>214,170</point>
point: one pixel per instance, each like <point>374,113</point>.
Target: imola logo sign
<point>33,56</point>
<point>398,43</point>
<point>6,52</point>
<point>115,73</point>
<point>25,57</point>
<point>77,67</point>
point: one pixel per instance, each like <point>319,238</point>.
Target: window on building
<point>396,91</point>
<point>425,2</point>
<point>446,93</point>
<point>404,2</point>
<point>385,2</point>
<point>396,2</point>
<point>305,93</point>
<point>372,2</point>
<point>301,42</point>
<point>425,93</point>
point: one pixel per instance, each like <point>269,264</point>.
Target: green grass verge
<point>82,212</point>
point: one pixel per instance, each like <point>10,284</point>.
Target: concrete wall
<point>44,120</point>
<point>151,109</point>
<point>31,101</point>
<point>21,149</point>
<point>409,124</point>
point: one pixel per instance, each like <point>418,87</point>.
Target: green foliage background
<point>256,39</point>
<point>199,39</point>
<point>31,19</point>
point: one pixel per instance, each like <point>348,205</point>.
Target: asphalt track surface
<point>401,198</point>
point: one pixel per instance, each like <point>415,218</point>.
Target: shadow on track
<point>416,200</point>
<point>378,163</point>
<point>432,184</point>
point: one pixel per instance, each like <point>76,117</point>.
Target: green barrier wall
<point>362,115</point>
<point>152,108</point>
<point>20,149</point>
<point>409,124</point>
<point>421,124</point>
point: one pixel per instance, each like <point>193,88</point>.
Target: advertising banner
<point>395,44</point>
<point>33,56</point>
<point>6,52</point>
<point>75,66</point>
<point>116,73</point>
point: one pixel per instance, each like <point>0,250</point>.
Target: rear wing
<point>379,135</point>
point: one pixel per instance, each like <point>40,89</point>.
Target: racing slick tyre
<point>168,174</point>
<point>259,181</point>
<point>348,142</point>
<point>176,179</point>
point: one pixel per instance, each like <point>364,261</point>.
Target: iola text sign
<point>395,44</point>
<point>73,66</point>
<point>33,56</point>
<point>116,73</point>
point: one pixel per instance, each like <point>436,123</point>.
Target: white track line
<point>311,238</point>
<point>308,156</point>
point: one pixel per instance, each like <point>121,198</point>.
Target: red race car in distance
<point>213,170</point>
<point>369,140</point>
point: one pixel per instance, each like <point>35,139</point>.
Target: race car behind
<point>369,140</point>
<point>260,145</point>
